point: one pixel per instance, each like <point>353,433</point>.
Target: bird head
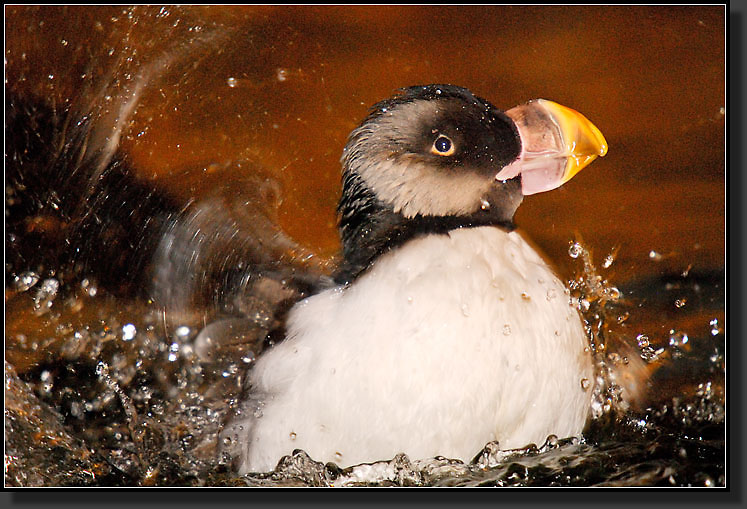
<point>437,157</point>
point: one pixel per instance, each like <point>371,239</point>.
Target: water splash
<point>45,296</point>
<point>25,281</point>
<point>602,306</point>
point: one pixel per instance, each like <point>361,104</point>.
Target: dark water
<point>104,389</point>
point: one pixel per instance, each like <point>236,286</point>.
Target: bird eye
<point>443,146</point>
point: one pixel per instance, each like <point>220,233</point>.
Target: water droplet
<point>484,204</point>
<point>655,256</point>
<point>465,309</point>
<point>575,250</point>
<point>128,332</point>
<point>585,384</point>
<point>292,435</point>
<point>409,299</point>
<point>614,357</point>
<point>584,304</point>
<point>45,296</point>
<point>612,293</point>
<point>101,368</point>
<point>704,390</point>
<point>525,296</point>
<point>677,339</point>
<point>507,330</point>
<point>609,260</point>
<point>680,303</point>
<point>47,381</point>
<point>232,82</point>
<point>25,281</point>
<point>182,332</point>
<point>50,286</point>
<point>551,294</point>
<point>642,340</point>
<point>188,351</point>
<point>281,74</point>
<point>88,287</point>
<point>715,329</point>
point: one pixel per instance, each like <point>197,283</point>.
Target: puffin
<point>443,328</point>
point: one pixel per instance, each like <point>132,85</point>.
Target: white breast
<point>445,344</point>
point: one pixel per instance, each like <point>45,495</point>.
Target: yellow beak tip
<point>599,137</point>
<point>579,131</point>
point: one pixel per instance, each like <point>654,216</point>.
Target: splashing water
<point>597,300</point>
<point>153,418</point>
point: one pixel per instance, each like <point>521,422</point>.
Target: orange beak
<point>557,142</point>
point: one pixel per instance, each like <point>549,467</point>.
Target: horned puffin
<point>445,329</point>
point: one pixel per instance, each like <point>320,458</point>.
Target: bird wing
<point>224,257</point>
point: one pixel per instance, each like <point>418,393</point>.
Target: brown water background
<point>652,78</point>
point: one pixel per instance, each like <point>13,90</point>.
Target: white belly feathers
<point>446,343</point>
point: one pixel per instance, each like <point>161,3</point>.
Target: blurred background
<point>283,86</point>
